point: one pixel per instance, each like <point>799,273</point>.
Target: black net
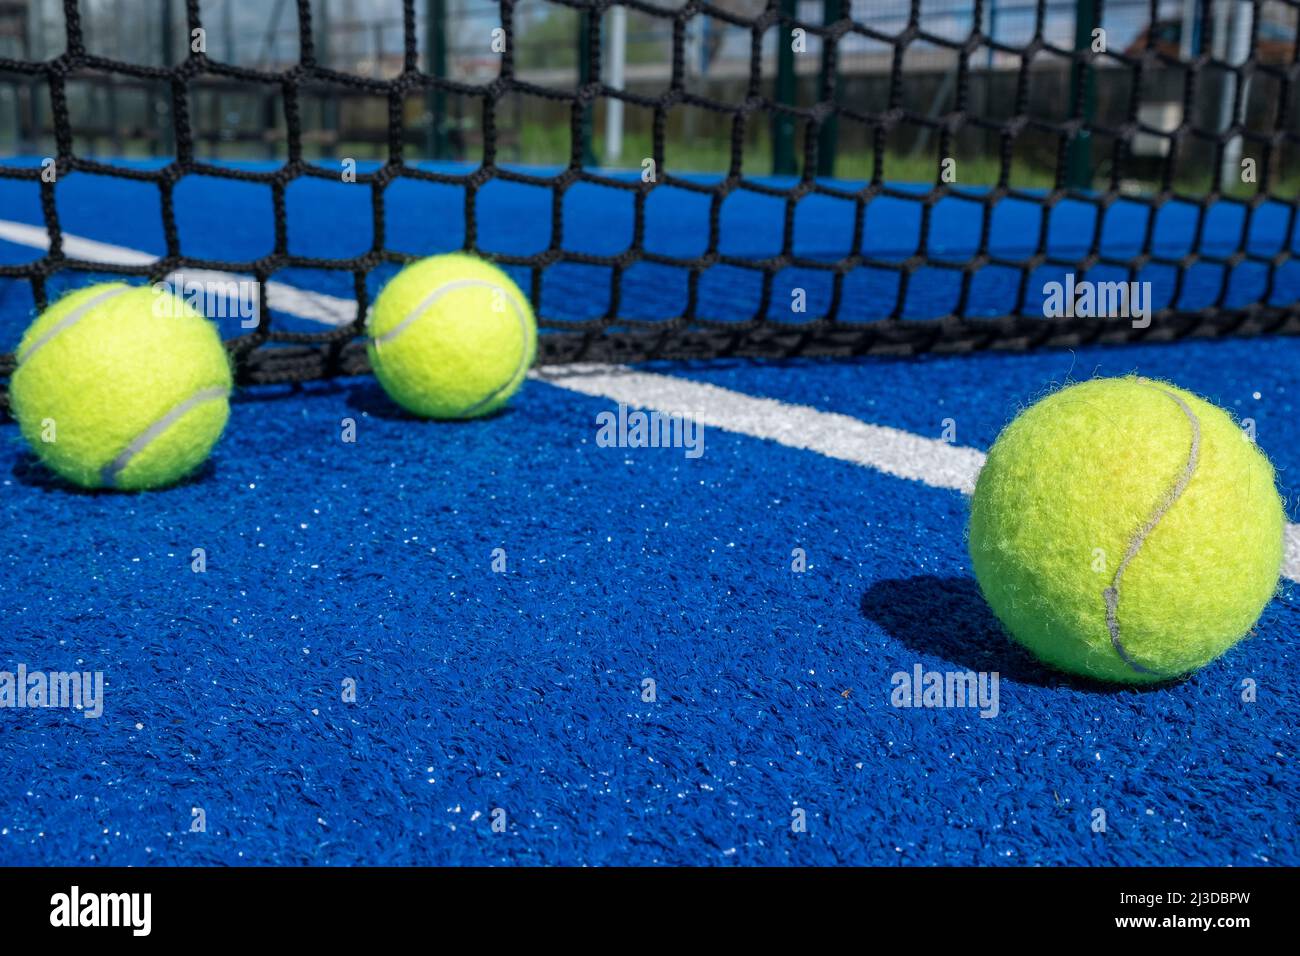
<point>806,178</point>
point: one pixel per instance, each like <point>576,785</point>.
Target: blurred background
<point>902,61</point>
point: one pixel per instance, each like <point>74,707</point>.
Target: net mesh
<point>1117,135</point>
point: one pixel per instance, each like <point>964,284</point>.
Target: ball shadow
<point>948,617</point>
<point>266,394</point>
<point>369,398</point>
<point>30,471</point>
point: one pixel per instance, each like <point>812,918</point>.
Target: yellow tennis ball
<point>451,336</point>
<point>121,387</point>
<point>1126,530</point>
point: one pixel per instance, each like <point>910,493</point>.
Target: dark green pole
<point>435,25</point>
<point>25,115</point>
<point>228,28</point>
<point>588,35</point>
<point>329,105</point>
<point>829,137</point>
<point>167,130</point>
<point>993,28</point>
<point>218,98</point>
<point>115,136</point>
<point>783,163</point>
<point>1078,170</point>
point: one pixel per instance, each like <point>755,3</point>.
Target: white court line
<point>316,306</point>
<point>889,450</point>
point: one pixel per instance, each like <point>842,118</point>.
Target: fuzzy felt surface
<point>451,336</point>
<point>1136,486</point>
<point>105,383</point>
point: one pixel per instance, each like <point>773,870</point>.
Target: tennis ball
<point>1126,530</point>
<point>451,337</point>
<point>121,387</point>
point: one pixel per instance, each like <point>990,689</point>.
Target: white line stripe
<point>872,446</point>
<point>889,450</point>
<point>316,306</point>
<point>1291,552</point>
<point>74,246</point>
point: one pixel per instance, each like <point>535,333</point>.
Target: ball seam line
<point>109,473</point>
<point>71,319</point>
<point>1111,594</point>
<point>432,298</point>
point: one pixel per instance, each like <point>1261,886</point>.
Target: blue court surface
<point>499,642</point>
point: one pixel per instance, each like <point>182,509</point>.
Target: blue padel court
<point>504,641</point>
